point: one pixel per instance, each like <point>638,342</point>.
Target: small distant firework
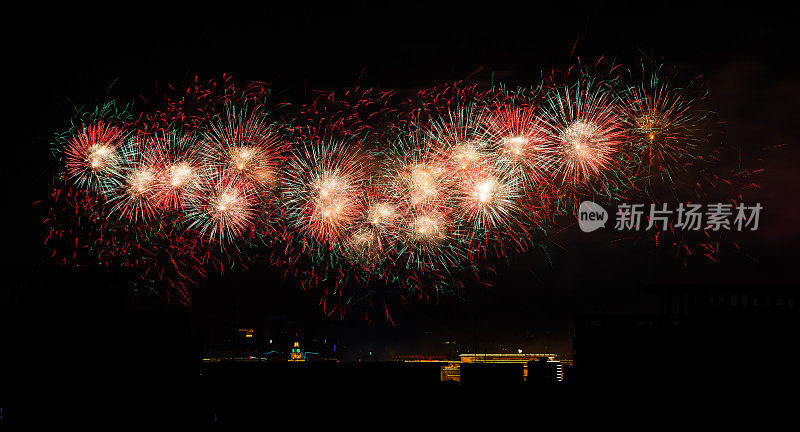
<point>375,235</point>
<point>433,242</point>
<point>660,126</point>
<point>428,228</point>
<point>364,247</point>
<point>412,176</point>
<point>91,156</point>
<point>382,215</point>
<point>457,141</point>
<point>425,183</point>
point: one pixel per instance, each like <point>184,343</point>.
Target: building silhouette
<point>714,336</point>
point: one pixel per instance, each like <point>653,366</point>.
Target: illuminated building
<point>544,371</point>
<point>504,358</point>
<point>546,364</point>
<point>296,355</point>
<point>451,372</point>
<point>519,358</point>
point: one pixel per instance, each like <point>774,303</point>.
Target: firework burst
<point>222,207</point>
<point>181,169</point>
<point>660,126</point>
<point>519,141</point>
<point>412,176</point>
<point>92,156</point>
<point>489,200</point>
<point>432,241</point>
<point>324,189</point>
<point>585,130</point>
<point>364,247</point>
<point>244,143</point>
<point>137,180</point>
<point>375,238</point>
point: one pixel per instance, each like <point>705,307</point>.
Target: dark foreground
<point>88,356</point>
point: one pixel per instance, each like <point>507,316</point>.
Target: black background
<point>62,56</point>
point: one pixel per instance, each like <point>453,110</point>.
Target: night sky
<point>747,56</point>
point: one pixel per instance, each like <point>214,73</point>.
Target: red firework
<point>180,167</point>
<point>246,144</point>
<point>222,207</point>
<point>324,189</point>
<point>585,130</point>
<point>92,156</point>
<point>519,140</point>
